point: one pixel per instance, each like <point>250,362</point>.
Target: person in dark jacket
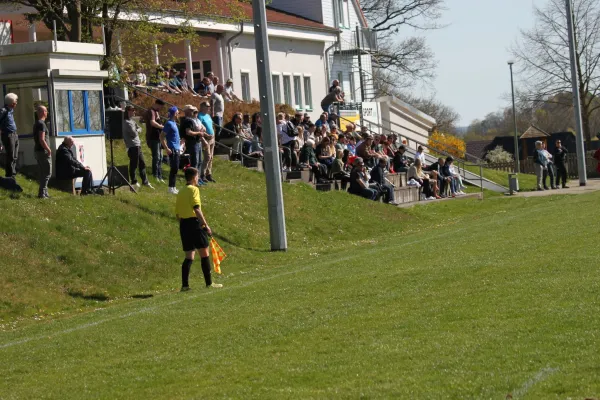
<point>447,174</point>
<point>10,138</point>
<point>560,162</point>
<point>378,176</point>
<point>437,168</point>
<point>308,156</point>
<point>68,167</point>
<point>400,161</point>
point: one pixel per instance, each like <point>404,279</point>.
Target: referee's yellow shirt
<point>187,199</point>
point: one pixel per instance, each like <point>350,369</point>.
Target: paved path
<point>574,188</point>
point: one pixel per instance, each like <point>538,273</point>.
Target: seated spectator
<point>325,154</point>
<point>365,152</point>
<point>256,131</point>
<point>322,121</point>
<point>233,135</point>
<point>320,134</point>
<point>172,81</point>
<point>288,135</point>
<point>309,133</point>
<point>229,94</point>
<point>448,173</point>
<point>306,121</point>
<point>378,177</point>
<point>351,146</point>
<point>182,83</point>
<point>359,183</point>
<point>421,156</point>
<point>68,167</point>
<point>338,170</point>
<point>334,96</point>
<point>308,157</point>
<point>442,179</point>
<point>430,187</point>
<point>458,183</point>
<point>378,146</point>
<point>400,160</point>
<point>299,138</point>
<point>140,78</point>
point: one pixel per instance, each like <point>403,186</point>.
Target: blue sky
<point>472,53</point>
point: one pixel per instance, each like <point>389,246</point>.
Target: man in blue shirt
<point>10,139</point>
<point>171,142</point>
<point>209,136</point>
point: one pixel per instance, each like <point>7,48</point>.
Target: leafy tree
<point>498,156</point>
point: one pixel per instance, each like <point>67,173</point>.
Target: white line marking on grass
<point>540,376</point>
<point>393,248</point>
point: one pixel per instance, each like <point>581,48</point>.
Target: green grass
<point>454,300</point>
<point>527,182</point>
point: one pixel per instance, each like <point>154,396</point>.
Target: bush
<point>186,98</point>
<point>443,143</point>
<point>498,156</point>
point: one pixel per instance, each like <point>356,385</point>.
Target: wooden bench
<point>66,185</point>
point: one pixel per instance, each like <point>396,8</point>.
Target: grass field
<point>455,300</point>
<point>527,182</point>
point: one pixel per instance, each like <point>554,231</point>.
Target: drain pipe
<point>229,48</point>
<point>337,42</point>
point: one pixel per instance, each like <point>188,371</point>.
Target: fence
<point>528,168</point>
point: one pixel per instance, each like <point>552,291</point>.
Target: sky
<point>472,53</point>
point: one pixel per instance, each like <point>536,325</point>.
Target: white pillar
<point>156,60</point>
<point>32,33</point>
<point>188,63</point>
<point>119,44</point>
<point>223,73</point>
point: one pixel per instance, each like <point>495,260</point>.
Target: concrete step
<point>224,157</point>
<point>294,181</point>
<point>325,187</point>
<point>425,202</point>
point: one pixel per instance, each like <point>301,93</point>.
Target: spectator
<point>173,82</point>
<point>203,87</point>
<point>540,163</point>
<point>297,120</point>
<point>218,107</point>
<point>229,94</point>
<point>211,86</point>
<point>332,121</point>
<point>320,134</point>
<point>308,157</point>
<point>378,177</point>
<point>192,134</point>
<point>182,83</point>
<point>420,154</point>
<point>131,136</point>
<point>310,132</point>
<point>256,131</point>
<point>549,171</point>
<point>68,167</point>
<point>306,121</point>
<point>437,169</point>
<point>456,176</point>
<point>322,121</point>
<point>43,154</point>
<point>325,153</point>
<point>335,84</point>
<point>359,183</point>
<point>171,143</point>
<point>446,171</point>
<point>333,97</point>
<point>9,135</point>
<point>349,129</point>
<point>288,141</point>
<point>400,161</point>
<point>560,158</point>
<point>209,136</point>
<point>233,135</point>
<point>365,152</point>
<point>153,130</point>
<point>140,78</point>
<point>430,187</point>
<point>351,146</point>
<point>299,138</point>
<point>338,171</point>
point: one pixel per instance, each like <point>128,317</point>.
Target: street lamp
<point>512,88</point>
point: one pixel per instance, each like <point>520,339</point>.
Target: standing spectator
<point>335,84</point>
<point>211,86</point>
<point>9,135</point>
<point>540,163</point>
<point>560,158</point>
<point>68,167</point>
<point>203,87</point>
<point>192,133</point>
<point>209,136</point>
<point>153,130</point>
<point>229,94</point>
<point>549,171</point>
<point>171,143</point>
<point>334,96</point>
<point>131,136</point>
<point>378,176</point>
<point>43,154</point>
<point>218,107</point>
<point>359,183</point>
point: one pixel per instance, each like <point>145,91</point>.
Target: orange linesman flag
<point>218,255</point>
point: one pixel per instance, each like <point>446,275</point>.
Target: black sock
<point>185,272</point>
<point>205,262</point>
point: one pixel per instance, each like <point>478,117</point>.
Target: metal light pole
<point>512,88</point>
<point>576,101</point>
<point>267,109</point>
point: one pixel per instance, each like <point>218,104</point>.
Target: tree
<point>402,63</point>
<point>544,54</point>
<point>445,116</point>
<point>444,143</point>
<point>498,156</point>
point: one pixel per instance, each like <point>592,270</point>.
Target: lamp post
<point>512,88</point>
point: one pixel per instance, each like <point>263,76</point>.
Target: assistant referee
<point>194,230</point>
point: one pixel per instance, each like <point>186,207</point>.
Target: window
<point>246,87</point>
<point>298,92</point>
<point>206,67</point>
<point>276,89</point>
<point>78,111</point>
<point>338,13</point>
<point>287,89</point>
<point>307,93</point>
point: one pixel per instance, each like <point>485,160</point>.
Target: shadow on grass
<point>77,294</point>
<point>142,296</point>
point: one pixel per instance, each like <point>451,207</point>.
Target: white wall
<point>306,59</point>
<point>406,126</point>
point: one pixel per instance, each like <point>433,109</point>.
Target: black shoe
<point>546,188</point>
<point>555,187</point>
<point>540,189</point>
<point>209,178</point>
<point>565,187</point>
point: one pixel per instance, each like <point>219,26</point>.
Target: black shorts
<point>192,235</point>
